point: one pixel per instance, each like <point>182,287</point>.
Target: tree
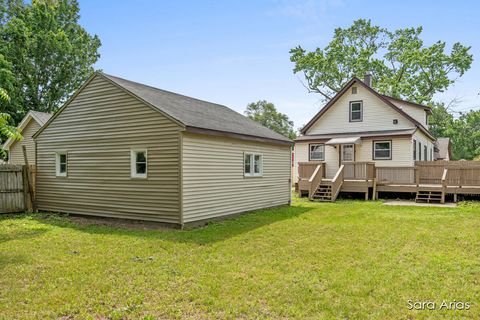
<point>6,130</point>
<point>464,131</point>
<point>50,53</point>
<point>266,114</point>
<point>441,122</point>
<point>402,66</point>
<point>467,135</point>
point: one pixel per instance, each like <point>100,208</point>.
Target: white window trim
<point>351,111</point>
<point>310,151</point>
<point>57,164</point>
<point>133,163</point>
<point>374,149</point>
<point>252,165</point>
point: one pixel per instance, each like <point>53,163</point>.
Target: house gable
<point>377,115</point>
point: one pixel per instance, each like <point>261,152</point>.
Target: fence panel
<point>14,191</point>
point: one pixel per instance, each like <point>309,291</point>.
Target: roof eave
<point>234,135</point>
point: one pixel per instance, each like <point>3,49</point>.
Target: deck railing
<point>359,170</point>
<point>306,169</point>
<point>337,182</point>
<point>396,175</point>
<point>316,179</point>
<point>463,177</point>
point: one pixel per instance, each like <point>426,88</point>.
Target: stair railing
<point>315,180</point>
<point>337,182</point>
<point>444,184</point>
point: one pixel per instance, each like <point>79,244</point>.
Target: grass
<point>347,260</point>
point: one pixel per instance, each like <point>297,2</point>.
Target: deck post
<point>455,198</point>
<point>374,192</point>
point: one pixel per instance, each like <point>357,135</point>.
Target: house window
<point>419,151</point>
<point>431,154</point>
<point>356,111</point>
<point>61,164</point>
<point>138,160</point>
<point>317,152</point>
<point>253,165</point>
<point>425,153</point>
<point>414,150</point>
<point>382,150</point>
<point>354,90</point>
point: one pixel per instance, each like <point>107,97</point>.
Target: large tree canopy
<point>266,114</point>
<point>51,55</point>
<point>401,64</point>
<point>7,130</point>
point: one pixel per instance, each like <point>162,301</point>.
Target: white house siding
<point>213,181</point>
<point>377,115</point>
<point>402,154</point>
<point>15,153</point>
<point>417,113</point>
<point>424,140</point>
<point>98,129</point>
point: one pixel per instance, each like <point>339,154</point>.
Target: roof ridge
<point>163,90</point>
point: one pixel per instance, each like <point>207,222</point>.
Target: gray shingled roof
<point>197,113</point>
<point>41,117</point>
<point>441,146</point>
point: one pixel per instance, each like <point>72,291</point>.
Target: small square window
<point>382,150</point>
<point>139,163</point>
<point>354,90</point>
<point>61,164</point>
<point>253,165</point>
<point>356,111</point>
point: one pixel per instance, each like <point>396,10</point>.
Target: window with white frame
<point>356,111</point>
<point>253,164</point>
<point>317,152</point>
<point>61,164</point>
<point>382,150</point>
<point>139,163</point>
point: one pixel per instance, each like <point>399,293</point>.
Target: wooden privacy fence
<point>17,185</point>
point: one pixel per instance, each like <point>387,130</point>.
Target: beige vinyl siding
<point>16,150</point>
<point>301,155</point>
<point>213,181</point>
<point>424,140</point>
<point>401,152</point>
<point>417,113</point>
<point>98,129</point>
<point>377,115</point>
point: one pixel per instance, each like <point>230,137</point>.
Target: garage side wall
<point>98,130</point>
<point>214,184</point>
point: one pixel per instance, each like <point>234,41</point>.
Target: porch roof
<point>346,140</point>
<point>364,134</point>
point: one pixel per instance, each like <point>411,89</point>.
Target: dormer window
<point>356,111</point>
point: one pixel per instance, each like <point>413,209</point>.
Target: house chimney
<point>368,79</point>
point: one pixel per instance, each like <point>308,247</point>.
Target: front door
<point>347,153</point>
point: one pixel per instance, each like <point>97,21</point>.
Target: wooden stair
<point>323,193</point>
<point>428,196</point>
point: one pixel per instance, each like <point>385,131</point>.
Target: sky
<point>237,52</point>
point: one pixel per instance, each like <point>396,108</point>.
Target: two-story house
<point>360,125</point>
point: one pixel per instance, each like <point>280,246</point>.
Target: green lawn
<point>347,260</point>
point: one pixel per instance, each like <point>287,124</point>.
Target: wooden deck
<point>430,181</point>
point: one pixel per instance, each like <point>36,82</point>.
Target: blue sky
<point>236,52</point>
